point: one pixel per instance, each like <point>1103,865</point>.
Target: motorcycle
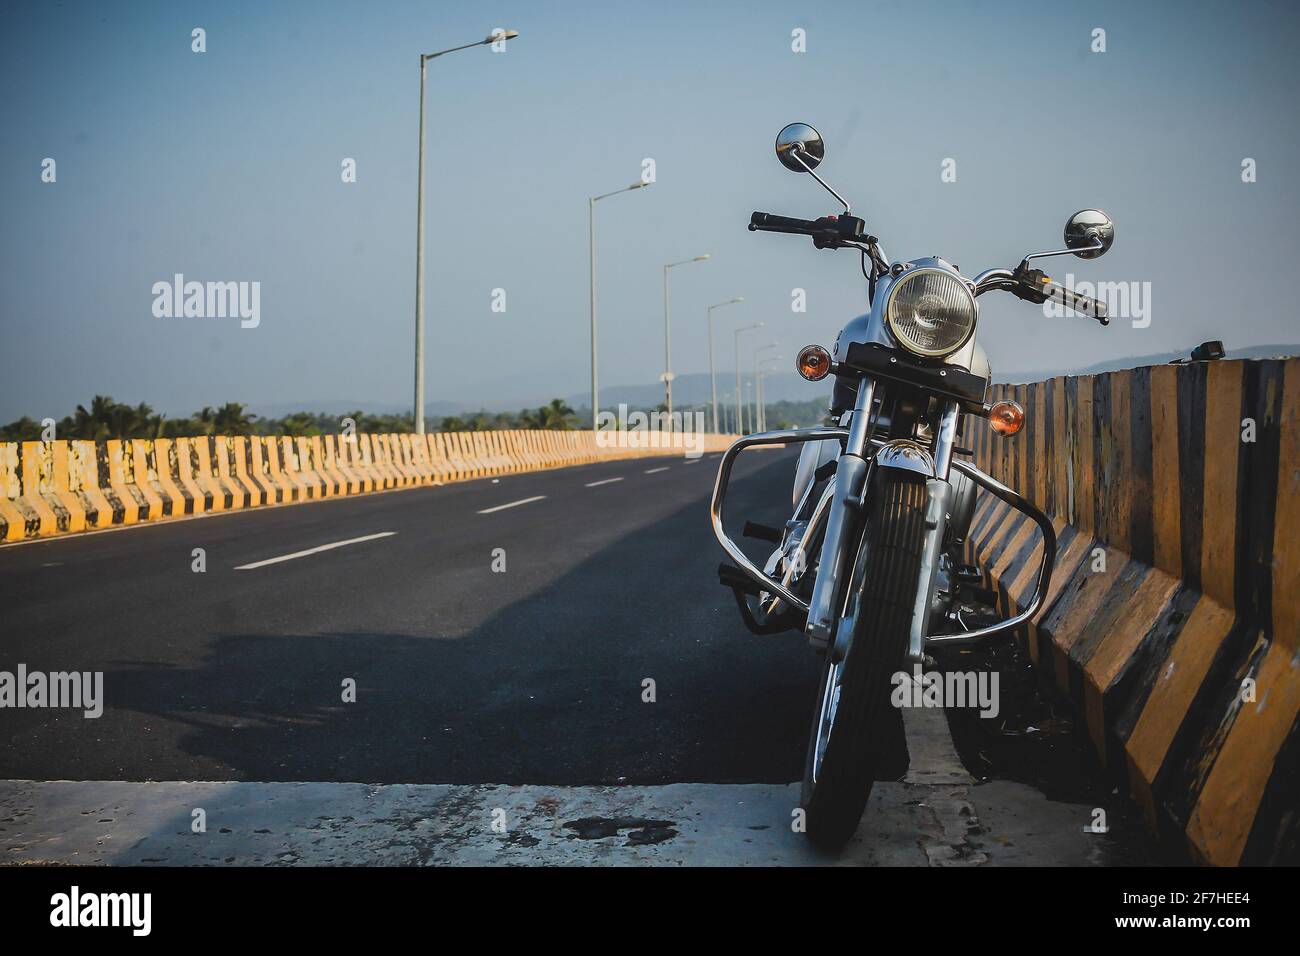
<point>869,565</point>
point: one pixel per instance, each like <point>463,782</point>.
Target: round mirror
<point>802,140</point>
<point>1086,228</point>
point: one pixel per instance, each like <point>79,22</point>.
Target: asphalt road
<point>482,695</point>
<point>464,675</point>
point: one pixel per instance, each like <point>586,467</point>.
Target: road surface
<point>500,716</point>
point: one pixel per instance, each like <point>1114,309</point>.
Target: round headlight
<point>931,312</point>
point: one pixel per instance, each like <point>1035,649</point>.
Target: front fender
<point>812,457</point>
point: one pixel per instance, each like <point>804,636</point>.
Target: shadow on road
<point>548,690</point>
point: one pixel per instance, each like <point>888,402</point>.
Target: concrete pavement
<point>934,817</point>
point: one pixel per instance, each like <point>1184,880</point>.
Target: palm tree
<point>557,415</point>
<point>25,429</point>
<point>231,419</point>
<point>96,422</point>
<point>299,424</point>
<point>109,419</point>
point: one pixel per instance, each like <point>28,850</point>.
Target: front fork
<point>850,482</point>
<point>851,476</point>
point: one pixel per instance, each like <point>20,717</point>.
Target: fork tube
<point>860,427</point>
<point>850,476</point>
<point>945,440</point>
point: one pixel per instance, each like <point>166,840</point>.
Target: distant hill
<point>1137,361</point>
<point>695,389</point>
<point>688,390</point>
<point>334,407</point>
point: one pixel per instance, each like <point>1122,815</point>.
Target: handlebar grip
<point>1084,305</point>
<point>770,222</point>
<point>1034,285</point>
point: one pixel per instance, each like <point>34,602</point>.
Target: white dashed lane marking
<point>652,471</point>
<point>512,504</point>
<point>316,550</point>
<point>593,484</point>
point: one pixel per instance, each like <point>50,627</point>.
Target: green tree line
<point>106,418</point>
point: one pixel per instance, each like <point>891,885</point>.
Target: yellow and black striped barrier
<point>1173,620</point>
<point>62,487</point>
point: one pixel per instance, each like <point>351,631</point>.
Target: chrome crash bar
<point>782,437</point>
<point>989,484</point>
<point>1002,492</point>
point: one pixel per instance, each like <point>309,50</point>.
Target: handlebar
<point>828,232</point>
<point>834,232</point>
<point>1033,285</point>
<point>1084,305</point>
<point>770,222</point>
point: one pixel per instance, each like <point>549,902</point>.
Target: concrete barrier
<point>63,487</point>
<point>1173,621</point>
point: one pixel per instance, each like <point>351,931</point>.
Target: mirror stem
<point>1062,252</point>
<point>797,152</point>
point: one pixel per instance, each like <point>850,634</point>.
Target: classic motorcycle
<point>869,565</point>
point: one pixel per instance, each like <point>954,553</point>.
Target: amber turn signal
<point>813,363</point>
<point>1006,418</point>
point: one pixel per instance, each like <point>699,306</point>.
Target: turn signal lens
<point>813,363</point>
<point>1006,418</point>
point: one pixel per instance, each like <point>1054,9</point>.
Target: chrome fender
<point>812,456</point>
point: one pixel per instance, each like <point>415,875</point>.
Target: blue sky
<point>226,166</point>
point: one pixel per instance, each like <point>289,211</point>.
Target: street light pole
<point>591,249</point>
<point>419,272</point>
<point>757,353</point>
<point>713,378</point>
<point>668,335</point>
<point>496,36</point>
<point>762,402</point>
<point>740,415</point>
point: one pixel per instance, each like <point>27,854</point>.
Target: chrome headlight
<point>931,312</point>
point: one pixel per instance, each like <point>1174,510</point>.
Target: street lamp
<point>668,335</point>
<point>713,379</point>
<point>757,353</point>
<point>740,415</point>
<point>591,248</point>
<point>762,402</point>
<point>496,36</point>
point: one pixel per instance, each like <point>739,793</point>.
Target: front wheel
<point>849,734</point>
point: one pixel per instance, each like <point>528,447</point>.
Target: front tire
<point>849,735</point>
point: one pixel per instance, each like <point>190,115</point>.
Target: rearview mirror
<point>799,141</point>
<point>1089,233</point>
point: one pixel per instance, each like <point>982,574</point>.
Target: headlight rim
<point>909,347</point>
